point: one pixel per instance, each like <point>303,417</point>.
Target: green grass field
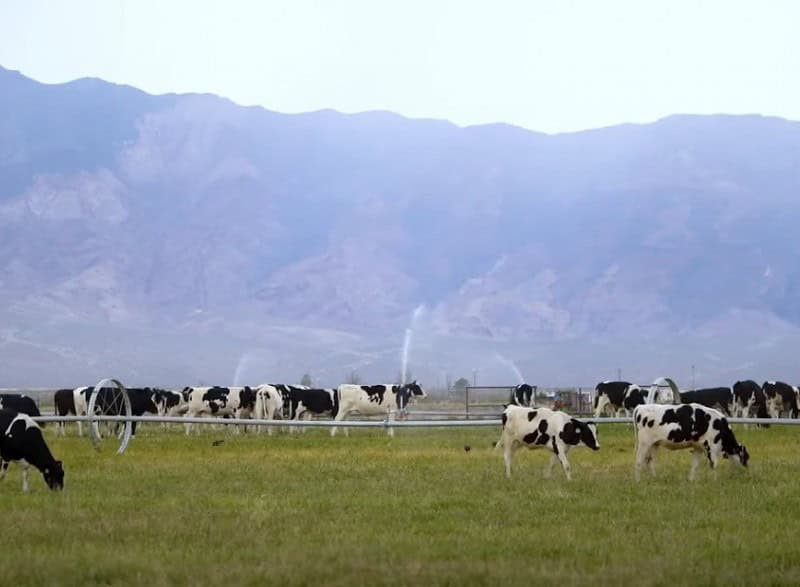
<point>416,509</point>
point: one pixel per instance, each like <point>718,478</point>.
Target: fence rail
<point>385,423</point>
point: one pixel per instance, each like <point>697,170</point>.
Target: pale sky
<point>553,65</point>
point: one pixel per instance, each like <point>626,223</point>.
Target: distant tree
<point>306,380</point>
<point>354,378</point>
<point>461,384</point>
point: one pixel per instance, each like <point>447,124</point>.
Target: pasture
<point>417,509</point>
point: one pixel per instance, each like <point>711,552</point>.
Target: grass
<point>416,509</point>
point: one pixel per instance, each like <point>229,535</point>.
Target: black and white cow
<point>373,400</point>
<point>522,395</point>
<point>702,429</point>
<point>781,397</point>
<point>307,402</point>
<point>64,403</point>
<point>19,403</point>
<point>172,403</point>
<point>236,402</point>
<point>269,404</point>
<point>749,400</point>
<point>144,400</point>
<point>544,428</point>
<point>621,396</point>
<point>720,398</point>
<point>21,440</point>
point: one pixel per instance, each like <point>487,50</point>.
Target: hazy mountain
<point>181,238</point>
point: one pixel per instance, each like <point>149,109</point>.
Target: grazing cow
<point>19,403</point>
<point>522,395</point>
<point>544,428</point>
<point>269,404</point>
<point>781,397</point>
<point>749,400</point>
<point>372,400</point>
<point>64,403</point>
<point>21,440</point>
<point>622,396</point>
<point>236,402</point>
<point>704,430</point>
<point>720,398</point>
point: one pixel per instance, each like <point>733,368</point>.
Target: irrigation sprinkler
<point>114,402</point>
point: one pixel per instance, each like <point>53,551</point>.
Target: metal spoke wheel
<point>109,398</point>
<point>664,382</point>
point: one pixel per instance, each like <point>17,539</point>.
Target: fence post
<point>466,402</point>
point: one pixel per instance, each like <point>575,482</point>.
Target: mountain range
<point>179,239</point>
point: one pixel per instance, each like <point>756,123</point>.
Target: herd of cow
<point>21,439</point>
<point>744,399</point>
<point>698,424</point>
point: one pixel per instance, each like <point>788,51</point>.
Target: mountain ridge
<point>172,212</point>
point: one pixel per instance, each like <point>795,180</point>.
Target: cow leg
<point>390,421</point>
<point>509,448</point>
<point>602,402</point>
<point>3,468</point>
<point>307,416</point>
<point>697,455</point>
<point>25,486</point>
<point>548,470</point>
<point>562,456</point>
<point>643,458</point>
<point>339,417</point>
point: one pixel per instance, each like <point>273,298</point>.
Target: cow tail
<point>596,399</point>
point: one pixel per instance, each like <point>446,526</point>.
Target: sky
<point>547,65</point>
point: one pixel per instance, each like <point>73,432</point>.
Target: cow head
<point>730,447</point>
<point>576,432</point>
<point>54,475</point>
<point>415,389</point>
<point>741,455</point>
<point>634,396</point>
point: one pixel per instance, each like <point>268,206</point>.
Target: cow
<point>704,430</point>
<point>544,428</point>
<point>749,400</point>
<point>21,440</point>
<point>64,403</point>
<point>269,404</point>
<point>286,391</point>
<point>622,396</point>
<point>372,400</point>
<point>144,400</point>
<point>172,403</point>
<point>720,398</point>
<point>781,397</point>
<point>236,402</point>
<point>309,402</point>
<point>522,395</point>
<point>19,403</point>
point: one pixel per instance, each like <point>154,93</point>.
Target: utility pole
<point>619,374</point>
<point>693,387</point>
<point>474,377</point>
